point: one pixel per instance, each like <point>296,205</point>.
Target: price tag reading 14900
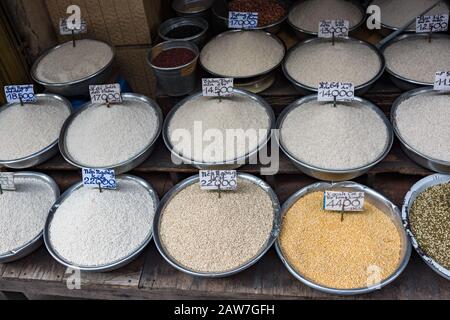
<point>218,180</point>
<point>339,91</point>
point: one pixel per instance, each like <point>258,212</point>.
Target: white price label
<point>7,181</point>
<point>108,93</point>
<point>66,28</point>
<point>442,81</point>
<point>243,20</point>
<point>436,23</point>
<point>341,91</point>
<point>21,93</point>
<point>217,87</point>
<point>339,28</point>
<point>344,201</point>
<point>218,180</point>
<point>103,178</point>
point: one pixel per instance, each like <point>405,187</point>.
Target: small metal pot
<point>195,180</point>
<point>172,24</point>
<point>114,265</point>
<point>129,164</point>
<point>359,90</point>
<point>196,8</point>
<point>382,203</point>
<point>334,175</point>
<point>177,81</point>
<point>423,160</point>
<point>40,156</point>
<point>35,243</point>
<point>77,87</point>
<point>410,198</point>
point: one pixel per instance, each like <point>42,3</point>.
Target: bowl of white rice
<point>213,133</point>
<point>412,60</point>
<point>100,231</point>
<point>348,60</point>
<point>334,143</point>
<point>30,132</point>
<point>23,213</point>
<point>69,70</point>
<point>119,137</point>
<point>421,120</point>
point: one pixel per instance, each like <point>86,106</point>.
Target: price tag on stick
<point>243,20</point>
<point>67,29</point>
<point>336,91</point>
<point>7,182</point>
<point>336,28</point>
<point>436,23</point>
<point>102,179</point>
<point>344,201</point>
<point>222,180</point>
<point>442,81</point>
<point>108,93</point>
<point>20,93</point>
<point>217,87</point>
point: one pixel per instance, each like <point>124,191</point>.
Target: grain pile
<point>242,54</point>
<point>93,229</point>
<point>423,122</point>
<point>336,254</point>
<point>417,59</point>
<point>104,137</point>
<point>349,136</point>
<point>68,63</point>
<point>23,212</point>
<point>28,129</point>
<point>207,234</point>
<point>308,14</point>
<point>346,61</point>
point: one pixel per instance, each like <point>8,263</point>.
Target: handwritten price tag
<point>217,87</point>
<point>436,23</point>
<point>103,178</point>
<point>339,28</point>
<point>341,91</point>
<point>108,93</point>
<point>21,93</point>
<point>66,28</point>
<point>7,181</point>
<point>243,20</point>
<point>442,81</point>
<point>218,180</point>
<point>344,201</point>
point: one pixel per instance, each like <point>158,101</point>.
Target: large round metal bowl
<point>42,155</point>
<point>251,77</point>
<point>302,33</point>
<point>418,157</point>
<point>116,264</point>
<point>195,180</point>
<point>35,243</point>
<point>334,175</point>
<point>410,198</point>
<point>78,87</point>
<point>226,165</point>
<point>401,82</point>
<point>131,163</point>
<point>359,90</point>
<point>375,199</point>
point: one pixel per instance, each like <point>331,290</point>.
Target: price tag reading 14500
<point>339,91</point>
<point>217,87</point>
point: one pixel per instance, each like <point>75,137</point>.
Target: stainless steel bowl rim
<point>54,143</point>
<point>194,180</point>
<point>347,39</point>
<point>132,96</point>
<point>52,184</point>
<point>365,103</point>
<point>74,82</point>
<point>189,21</point>
<point>258,99</point>
<point>205,8</point>
<point>113,265</point>
<point>177,44</point>
<point>250,76</point>
<point>410,198</point>
<point>396,105</point>
<point>372,193</point>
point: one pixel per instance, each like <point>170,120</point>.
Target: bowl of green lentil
<point>426,218</point>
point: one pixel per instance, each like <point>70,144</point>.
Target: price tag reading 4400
<point>103,178</point>
<point>339,28</point>
<point>108,93</point>
<point>436,23</point>
<point>218,180</point>
<point>344,201</point>
<point>442,81</point>
<point>7,181</point>
<point>339,91</point>
<point>217,87</point>
<point>21,93</point>
<point>243,20</point>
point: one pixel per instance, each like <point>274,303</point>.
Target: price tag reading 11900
<point>336,91</point>
<point>108,93</point>
<point>218,180</point>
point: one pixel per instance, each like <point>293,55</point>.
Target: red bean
<point>172,58</point>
